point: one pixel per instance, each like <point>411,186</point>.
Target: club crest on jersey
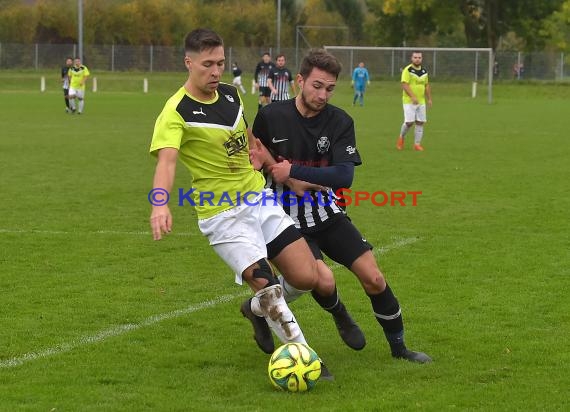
<point>230,98</point>
<point>350,149</point>
<point>323,144</point>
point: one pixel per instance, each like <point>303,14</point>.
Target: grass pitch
<point>95,316</point>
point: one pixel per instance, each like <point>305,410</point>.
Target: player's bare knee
<point>326,281</point>
<point>373,283</point>
<point>260,275</point>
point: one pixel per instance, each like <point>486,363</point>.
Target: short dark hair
<point>321,59</point>
<point>202,39</point>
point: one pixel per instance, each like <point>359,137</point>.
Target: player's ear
<point>188,62</point>
<point>300,81</point>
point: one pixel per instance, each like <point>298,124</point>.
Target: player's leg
<point>385,306</point>
<point>409,118</point>
<point>361,96</point>
<point>329,299</point>
<point>355,253</point>
<point>240,85</point>
<point>66,97</point>
<point>81,103</point>
<point>421,118</point>
<point>270,304</point>
<point>237,238</point>
<point>72,95</point>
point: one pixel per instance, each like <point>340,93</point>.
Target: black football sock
<point>389,316</point>
<point>330,303</point>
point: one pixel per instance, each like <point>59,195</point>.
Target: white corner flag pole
<point>43,84</point>
<point>94,84</point>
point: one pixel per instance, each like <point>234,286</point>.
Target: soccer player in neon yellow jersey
<point>416,92</point>
<point>78,75</point>
<point>203,124</point>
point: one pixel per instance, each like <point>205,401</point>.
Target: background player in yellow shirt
<point>416,93</point>
<point>78,75</point>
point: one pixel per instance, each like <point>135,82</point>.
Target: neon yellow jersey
<point>211,139</point>
<point>77,76</point>
<point>417,78</point>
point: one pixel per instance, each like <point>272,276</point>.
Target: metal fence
<point>510,65</point>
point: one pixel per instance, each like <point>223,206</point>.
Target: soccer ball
<point>294,367</point>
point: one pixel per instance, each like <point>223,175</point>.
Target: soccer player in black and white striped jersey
<point>260,77</point>
<point>316,145</point>
<point>280,78</point>
<point>65,82</point>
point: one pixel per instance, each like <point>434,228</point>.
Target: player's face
<point>69,62</point>
<point>77,62</point>
<point>205,69</point>
<point>266,58</point>
<point>280,62</point>
<point>417,59</point>
<point>316,90</point>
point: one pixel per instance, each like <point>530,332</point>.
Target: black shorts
<point>340,240</point>
<point>264,91</point>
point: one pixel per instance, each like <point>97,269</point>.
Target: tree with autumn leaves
<point>499,24</point>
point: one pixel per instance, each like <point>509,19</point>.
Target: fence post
<point>36,57</point>
<point>151,52</point>
<point>561,66</point>
<point>113,57</point>
<point>476,65</point>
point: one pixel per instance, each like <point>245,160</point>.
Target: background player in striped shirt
<point>65,82</point>
<point>316,144</point>
<point>260,76</point>
<point>280,79</point>
<point>416,92</point>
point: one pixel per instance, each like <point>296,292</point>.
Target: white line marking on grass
<point>385,249</point>
<point>151,320</point>
<point>94,232</point>
<point>115,331</point>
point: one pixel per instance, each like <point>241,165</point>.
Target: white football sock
<point>418,133</point>
<point>271,303</point>
<point>289,292</point>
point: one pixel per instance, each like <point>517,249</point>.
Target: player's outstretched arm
<point>161,218</point>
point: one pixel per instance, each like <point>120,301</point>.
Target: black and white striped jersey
<point>281,79</point>
<point>262,71</point>
<point>65,76</point>
<point>324,140</point>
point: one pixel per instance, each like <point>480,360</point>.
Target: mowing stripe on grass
<point>151,320</point>
<point>116,331</point>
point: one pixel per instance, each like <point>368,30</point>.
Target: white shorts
<point>80,93</point>
<point>414,112</point>
<point>240,235</point>
<point>236,81</point>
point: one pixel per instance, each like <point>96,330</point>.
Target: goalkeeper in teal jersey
<point>360,79</point>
